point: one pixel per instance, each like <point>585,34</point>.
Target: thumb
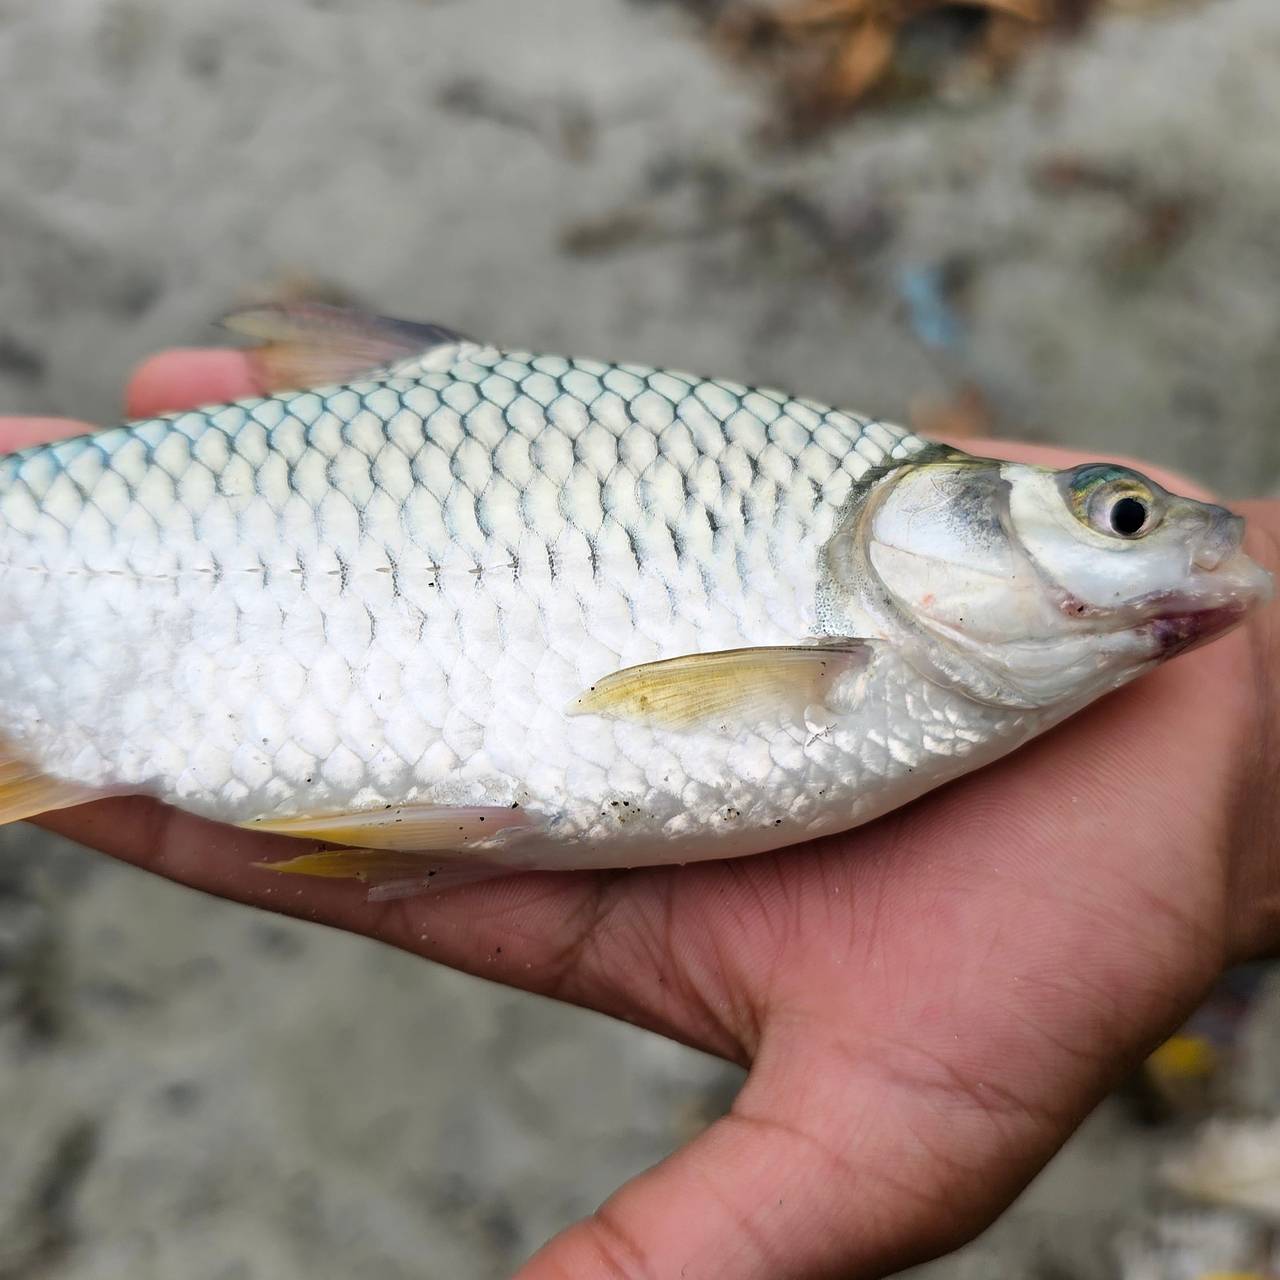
<point>822,1169</point>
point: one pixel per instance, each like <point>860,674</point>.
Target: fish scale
<point>513,527</point>
<point>402,592</point>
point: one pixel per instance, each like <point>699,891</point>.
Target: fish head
<point>1034,587</point>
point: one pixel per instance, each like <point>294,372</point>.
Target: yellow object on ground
<point>1184,1057</point>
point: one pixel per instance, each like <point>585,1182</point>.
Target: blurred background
<point>1056,219</point>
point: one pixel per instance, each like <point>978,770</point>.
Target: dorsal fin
<point>311,344</point>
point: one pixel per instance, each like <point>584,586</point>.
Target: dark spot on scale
<point>497,951</point>
<point>482,819</point>
<point>777,822</point>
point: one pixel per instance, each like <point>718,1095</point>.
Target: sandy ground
<point>191,1089</point>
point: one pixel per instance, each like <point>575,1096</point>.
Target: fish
<point>440,609</point>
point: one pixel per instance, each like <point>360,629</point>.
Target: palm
<point>928,1005</point>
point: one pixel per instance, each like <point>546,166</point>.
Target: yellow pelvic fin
<point>26,792</point>
<point>311,344</point>
<point>403,828</point>
<point>715,688</point>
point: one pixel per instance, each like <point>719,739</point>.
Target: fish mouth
<point>1179,621</point>
<point>1178,632</point>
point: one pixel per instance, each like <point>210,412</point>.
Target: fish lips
<point>1182,620</point>
<point>1178,632</point>
<point>1211,604</point>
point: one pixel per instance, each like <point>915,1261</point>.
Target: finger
<point>631,944</point>
<point>186,378</point>
<point>18,433</point>
<point>525,930</point>
<point>1052,455</point>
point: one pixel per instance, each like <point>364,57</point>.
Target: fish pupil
<point>1128,516</point>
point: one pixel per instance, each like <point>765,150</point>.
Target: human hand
<point>928,1006</point>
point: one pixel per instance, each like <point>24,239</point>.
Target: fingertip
<point>20,433</point>
<point>185,378</point>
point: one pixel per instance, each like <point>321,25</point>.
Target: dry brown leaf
<point>860,39</point>
<point>824,13</point>
<point>864,58</point>
<point>1037,11</point>
<point>831,54</point>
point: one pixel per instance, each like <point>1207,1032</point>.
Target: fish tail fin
<point>25,792</point>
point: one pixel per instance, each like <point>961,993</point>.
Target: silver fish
<point>454,606</point>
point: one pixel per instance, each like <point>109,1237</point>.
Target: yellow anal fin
<point>310,344</point>
<point>368,865</point>
<point>388,874</point>
<point>411,828</point>
<point>713,689</point>
<point>26,792</point>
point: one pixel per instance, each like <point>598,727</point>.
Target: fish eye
<point>1127,516</point>
<point>1112,500</point>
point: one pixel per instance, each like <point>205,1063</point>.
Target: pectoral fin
<point>403,828</point>
<point>310,344</point>
<point>715,689</point>
<point>26,792</point>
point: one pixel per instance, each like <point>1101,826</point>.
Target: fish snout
<point>1221,570</point>
<point>1219,539</point>
<point>1223,586</point>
